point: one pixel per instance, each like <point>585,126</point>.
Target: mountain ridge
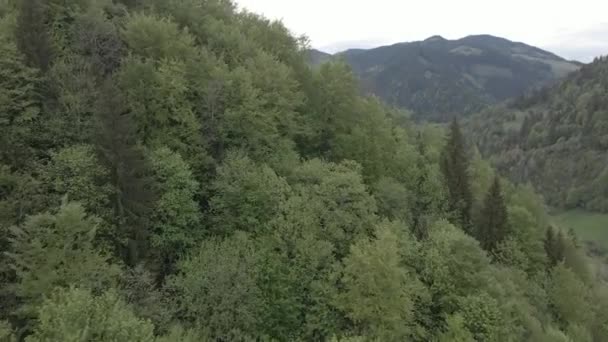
<point>438,78</point>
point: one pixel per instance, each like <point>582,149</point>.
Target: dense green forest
<point>173,170</point>
<point>439,79</point>
<point>556,138</point>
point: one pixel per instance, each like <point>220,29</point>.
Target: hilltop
<point>439,78</point>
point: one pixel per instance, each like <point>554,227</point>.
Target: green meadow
<point>588,226</point>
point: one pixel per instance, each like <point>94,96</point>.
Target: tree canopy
<point>175,171</point>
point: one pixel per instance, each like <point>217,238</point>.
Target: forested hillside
<point>556,138</point>
<point>172,170</point>
<point>439,79</point>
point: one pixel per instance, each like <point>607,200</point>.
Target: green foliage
<point>50,251</point>
<point>392,198</point>
<point>453,264</point>
<point>74,81</point>
<point>569,296</point>
<point>428,192</point>
<point>599,327</point>
<point>19,103</point>
<point>555,246</point>
<point>75,172</point>
<point>247,196</point>
<point>229,192</point>
<point>6,332</point>
<point>261,111</point>
<point>216,288</point>
<point>157,38</point>
<point>554,138</point>
<point>180,334</point>
<point>528,235</point>
<point>555,335</point>
<point>138,288</point>
<point>337,200</point>
<point>156,93</point>
<point>579,333</point>
<point>456,331</point>
<point>377,288</point>
<point>331,104</point>
<point>77,315</point>
<point>298,304</point>
<point>176,217</point>
<point>482,317</point>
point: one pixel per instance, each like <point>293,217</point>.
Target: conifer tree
<point>423,201</point>
<point>454,166</point>
<point>559,249</point>
<point>555,246</point>
<point>548,243</point>
<point>32,34</point>
<point>130,174</point>
<point>493,225</point>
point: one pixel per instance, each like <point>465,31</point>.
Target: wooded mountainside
<point>556,138</point>
<point>173,170</point>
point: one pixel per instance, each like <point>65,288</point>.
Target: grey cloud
<point>582,45</point>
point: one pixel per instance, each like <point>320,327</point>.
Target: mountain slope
<point>316,57</point>
<point>439,78</point>
<point>557,139</point>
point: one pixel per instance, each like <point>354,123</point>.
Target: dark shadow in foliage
<point>130,174</point>
<point>493,226</point>
<point>32,33</point>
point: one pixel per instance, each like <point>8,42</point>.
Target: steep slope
<point>439,78</point>
<point>556,138</point>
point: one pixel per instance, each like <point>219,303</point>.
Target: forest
<point>174,170</point>
<point>555,138</point>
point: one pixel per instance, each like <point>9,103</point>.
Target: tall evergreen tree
<point>454,166</point>
<point>555,246</point>
<point>423,201</point>
<point>130,174</point>
<point>548,243</point>
<point>560,247</point>
<point>493,226</point>
<point>32,33</point>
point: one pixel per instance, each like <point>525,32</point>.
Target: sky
<point>572,29</point>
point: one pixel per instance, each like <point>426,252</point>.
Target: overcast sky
<point>574,29</point>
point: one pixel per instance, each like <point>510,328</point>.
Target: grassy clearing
<point>587,225</point>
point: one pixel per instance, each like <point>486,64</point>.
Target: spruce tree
<point>32,33</point>
<point>454,166</point>
<point>549,242</point>
<point>130,174</point>
<point>423,201</point>
<point>559,250</point>
<point>555,246</point>
<point>493,225</point>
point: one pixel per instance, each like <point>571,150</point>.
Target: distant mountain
<point>439,78</point>
<point>316,57</point>
<point>557,139</point>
